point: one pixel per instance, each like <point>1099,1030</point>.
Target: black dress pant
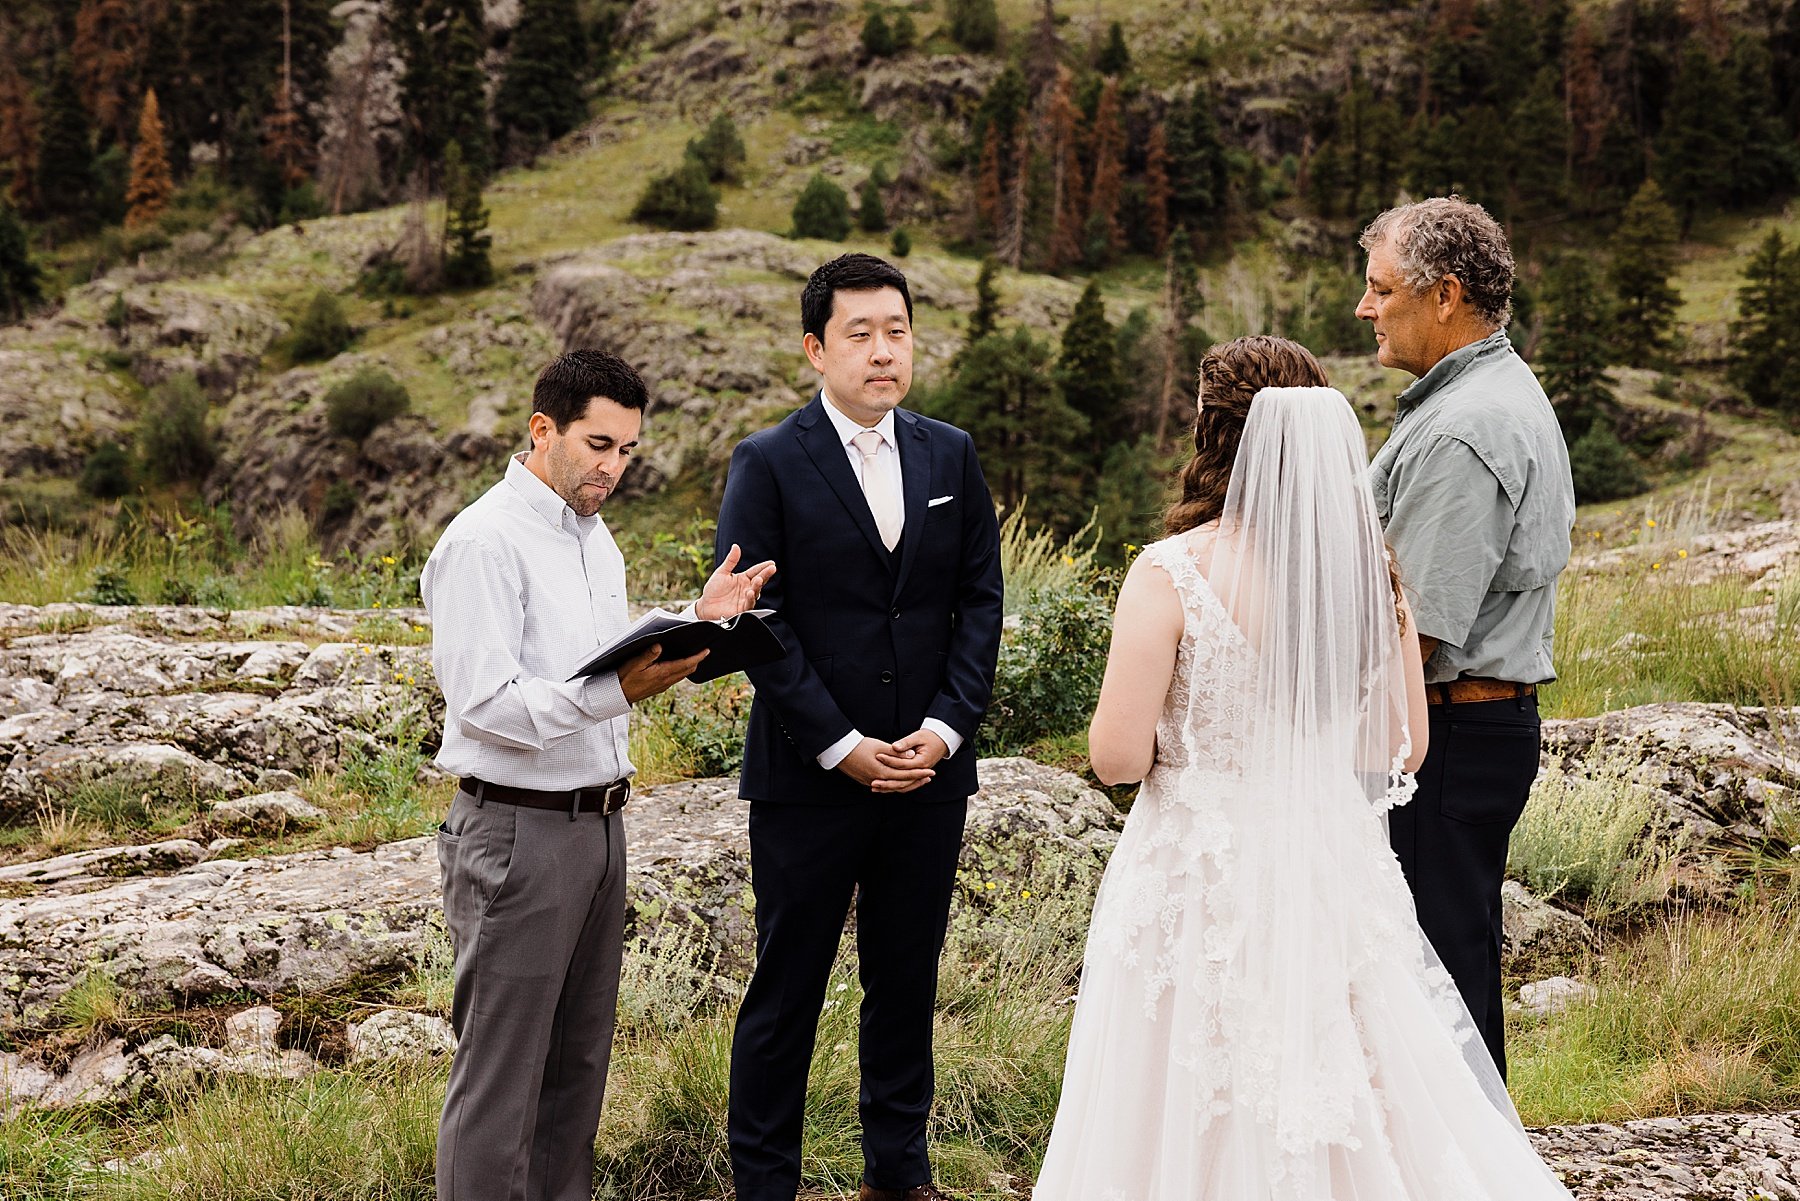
<point>898,858</point>
<point>1451,841</point>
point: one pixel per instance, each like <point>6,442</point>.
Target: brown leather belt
<point>604,799</point>
<point>1475,688</point>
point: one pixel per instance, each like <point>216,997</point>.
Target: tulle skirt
<point>1261,1019</point>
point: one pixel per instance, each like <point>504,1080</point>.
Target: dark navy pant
<point>1451,841</point>
<point>897,857</point>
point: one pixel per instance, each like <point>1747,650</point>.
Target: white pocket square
<point>942,500</point>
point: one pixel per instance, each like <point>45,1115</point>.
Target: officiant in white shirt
<point>521,587</point>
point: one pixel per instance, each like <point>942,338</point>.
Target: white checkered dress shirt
<point>521,592</point>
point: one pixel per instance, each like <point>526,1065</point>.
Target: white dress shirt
<point>521,591</point>
<point>887,458</point>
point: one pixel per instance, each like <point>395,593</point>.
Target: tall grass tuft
<point>1623,640</point>
<point>1584,837</point>
<point>94,1004</point>
<point>1701,1013</point>
<point>46,1154</point>
<point>364,1135</point>
<point>1033,561</point>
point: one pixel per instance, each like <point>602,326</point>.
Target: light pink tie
<point>878,488</point>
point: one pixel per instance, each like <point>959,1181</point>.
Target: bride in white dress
<point>1260,1017</point>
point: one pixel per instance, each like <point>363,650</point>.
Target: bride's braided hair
<point>1231,374</point>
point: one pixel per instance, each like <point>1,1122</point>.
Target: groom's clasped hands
<point>895,766</point>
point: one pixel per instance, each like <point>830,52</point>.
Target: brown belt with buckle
<point>604,799</point>
<point>1475,688</point>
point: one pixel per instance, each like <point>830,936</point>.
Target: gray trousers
<point>535,904</point>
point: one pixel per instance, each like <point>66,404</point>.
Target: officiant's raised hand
<point>728,594</point>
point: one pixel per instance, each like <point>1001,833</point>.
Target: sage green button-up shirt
<point>1473,488</point>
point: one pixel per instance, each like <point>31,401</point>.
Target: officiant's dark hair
<point>847,273</point>
<point>570,380</point>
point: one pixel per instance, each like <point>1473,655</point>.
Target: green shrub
<point>720,149</point>
<point>974,24</point>
<point>701,726</point>
<point>906,34</point>
<point>110,587</point>
<point>324,332</point>
<point>1048,678</point>
<point>1584,836</point>
<point>364,402</point>
<point>338,502</point>
<point>877,36</point>
<point>823,211</point>
<point>1602,468</point>
<point>173,439</point>
<point>900,245</point>
<point>107,473</point>
<point>871,214</point>
<point>683,199</point>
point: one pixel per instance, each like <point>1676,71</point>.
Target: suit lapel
<point>914,444</point>
<point>819,437</point>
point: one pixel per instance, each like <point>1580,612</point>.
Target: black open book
<point>735,642</point>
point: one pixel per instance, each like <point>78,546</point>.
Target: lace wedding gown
<point>1260,1017</point>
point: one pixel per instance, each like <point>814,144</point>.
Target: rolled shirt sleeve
<point>1449,526</point>
<point>478,622</point>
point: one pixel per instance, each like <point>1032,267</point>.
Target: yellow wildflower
<point>1682,553</point>
<point>388,559</point>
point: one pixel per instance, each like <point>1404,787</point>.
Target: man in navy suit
<point>859,760</point>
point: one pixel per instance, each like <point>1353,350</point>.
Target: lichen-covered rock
<point>253,1031</point>
<point>1709,1157</point>
<point>151,766</point>
<point>398,1034</point>
<point>1721,775</point>
<point>1537,933</point>
<point>170,855</point>
<point>1543,997</point>
<point>267,813</point>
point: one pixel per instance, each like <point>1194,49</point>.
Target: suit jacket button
<point>887,677</point>
<point>896,615</point>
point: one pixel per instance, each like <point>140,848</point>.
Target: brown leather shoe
<point>918,1192</point>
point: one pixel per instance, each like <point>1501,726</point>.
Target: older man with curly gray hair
<point>1474,490</point>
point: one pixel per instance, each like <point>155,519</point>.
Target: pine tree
<point>1068,213</point>
<point>985,318</point>
<point>871,216</point>
<point>1761,159</point>
<point>1765,335</point>
<point>877,36</point>
<point>1643,258</point>
<point>148,193</point>
<point>18,135</point>
<point>1573,356</point>
<point>465,94</point>
<point>1157,190</point>
<point>1197,164</point>
<point>1087,371</point>
<point>1182,340</point>
<point>721,148</point>
<point>906,33</point>
<point>466,240</point>
<point>540,96</point>
<point>111,37</point>
<point>21,283</point>
<point>1031,441</point>
<point>822,211</point>
<point>1104,236</point>
<point>682,199</point>
<point>990,186</point>
<point>65,168</point>
<point>1694,150</point>
<point>1539,156</point>
<point>1114,57</point>
<point>974,24</point>
<point>443,88</point>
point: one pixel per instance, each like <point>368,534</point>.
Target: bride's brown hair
<point>1231,374</point>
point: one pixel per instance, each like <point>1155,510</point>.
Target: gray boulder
<point>267,813</point>
<point>398,1034</point>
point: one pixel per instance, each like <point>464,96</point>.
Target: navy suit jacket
<point>876,641</point>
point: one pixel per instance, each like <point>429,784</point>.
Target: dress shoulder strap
<point>1176,557</point>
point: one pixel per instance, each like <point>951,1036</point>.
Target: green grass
<point>1699,1013</point>
<point>1647,633</point>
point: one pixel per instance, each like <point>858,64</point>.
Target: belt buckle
<point>612,798</point>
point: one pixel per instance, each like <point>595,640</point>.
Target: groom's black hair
<point>847,273</point>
